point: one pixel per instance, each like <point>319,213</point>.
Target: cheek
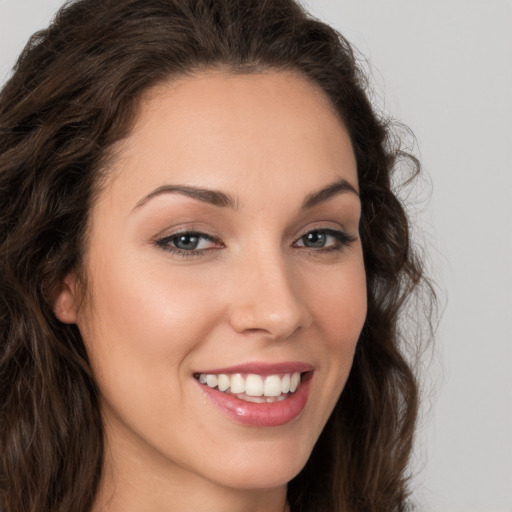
<point>339,301</point>
<point>143,320</point>
<point>140,330</point>
<point>339,306</point>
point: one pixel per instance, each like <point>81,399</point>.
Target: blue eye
<point>188,243</point>
<point>325,239</point>
<point>191,243</point>
<point>315,239</point>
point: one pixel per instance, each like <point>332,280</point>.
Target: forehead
<point>228,131</point>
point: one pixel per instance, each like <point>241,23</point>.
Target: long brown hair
<point>73,94</point>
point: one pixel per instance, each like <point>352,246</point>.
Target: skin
<point>153,318</point>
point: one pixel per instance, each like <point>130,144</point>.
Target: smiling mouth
<point>253,387</point>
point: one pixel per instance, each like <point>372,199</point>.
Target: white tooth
<point>211,380</point>
<point>255,399</point>
<point>253,385</point>
<point>272,386</point>
<point>223,382</point>
<point>280,398</point>
<point>271,399</point>
<point>237,384</point>
<point>285,383</point>
<point>294,382</point>
<point>202,378</point>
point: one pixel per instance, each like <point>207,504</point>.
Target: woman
<point>202,266</point>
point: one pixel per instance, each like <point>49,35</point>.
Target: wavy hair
<point>73,94</point>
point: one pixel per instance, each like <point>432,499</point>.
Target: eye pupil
<point>186,241</point>
<point>315,239</point>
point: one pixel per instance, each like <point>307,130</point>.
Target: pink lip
<point>272,414</point>
<point>263,368</point>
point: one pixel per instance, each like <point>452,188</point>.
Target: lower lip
<point>265,414</point>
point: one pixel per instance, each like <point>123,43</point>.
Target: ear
<point>65,305</point>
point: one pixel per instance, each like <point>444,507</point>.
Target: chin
<point>263,468</point>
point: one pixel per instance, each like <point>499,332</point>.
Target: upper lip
<point>262,368</point>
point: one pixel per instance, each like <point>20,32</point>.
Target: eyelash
<point>342,238</point>
<point>165,244</point>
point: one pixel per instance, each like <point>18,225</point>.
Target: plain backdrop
<point>444,68</point>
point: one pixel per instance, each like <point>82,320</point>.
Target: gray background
<point>444,67</point>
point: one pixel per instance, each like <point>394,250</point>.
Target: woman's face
<point>224,248</point>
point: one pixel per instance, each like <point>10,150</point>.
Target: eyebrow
<point>338,187</point>
<point>213,197</point>
<point>223,200</point>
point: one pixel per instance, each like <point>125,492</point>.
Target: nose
<point>266,299</point>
